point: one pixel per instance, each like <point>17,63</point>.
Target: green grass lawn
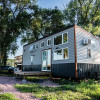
<point>68,90</point>
<point>7,96</point>
<point>36,78</point>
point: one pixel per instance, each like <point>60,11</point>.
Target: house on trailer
<point>73,52</point>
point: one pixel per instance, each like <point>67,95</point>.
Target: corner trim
<point>76,74</point>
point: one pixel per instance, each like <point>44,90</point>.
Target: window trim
<point>47,41</point>
<point>36,44</point>
<point>62,34</point>
<point>62,53</point>
<point>40,44</point>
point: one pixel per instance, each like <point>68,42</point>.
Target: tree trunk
<point>5,59</point>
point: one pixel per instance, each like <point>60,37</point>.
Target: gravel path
<point>7,86</point>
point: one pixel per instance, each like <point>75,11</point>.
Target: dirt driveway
<point>7,86</point>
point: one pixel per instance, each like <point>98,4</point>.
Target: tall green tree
<point>14,15</point>
<point>43,22</point>
<point>85,13</point>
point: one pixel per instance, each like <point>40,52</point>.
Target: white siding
<point>37,52</point>
<point>82,49</point>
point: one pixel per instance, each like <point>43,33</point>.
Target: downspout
<point>76,74</point>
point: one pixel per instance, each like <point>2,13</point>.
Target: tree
<point>14,17</point>
<point>43,22</point>
<point>85,13</point>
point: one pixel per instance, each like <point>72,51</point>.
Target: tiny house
<point>73,52</point>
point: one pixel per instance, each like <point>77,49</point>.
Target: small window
<point>42,44</point>
<point>37,45</point>
<point>48,42</point>
<point>31,58</point>
<point>58,40</point>
<point>65,38</point>
<point>88,53</point>
<point>65,53</point>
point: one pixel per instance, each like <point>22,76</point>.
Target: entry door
<point>46,60</point>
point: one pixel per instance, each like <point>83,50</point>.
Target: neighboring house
<point>72,52</point>
<point>18,60</point>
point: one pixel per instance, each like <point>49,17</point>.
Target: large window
<point>58,40</point>
<point>63,38</point>
<point>61,54</point>
<point>58,55</point>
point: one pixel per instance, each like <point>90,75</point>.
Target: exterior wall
<point>88,70</point>
<point>82,49</point>
<point>59,68</point>
<point>32,67</point>
<point>63,70</point>
<point>37,53</point>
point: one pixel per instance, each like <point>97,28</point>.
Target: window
<point>65,53</point>
<point>88,53</point>
<point>37,45</point>
<point>48,42</point>
<point>42,44</point>
<point>58,40</point>
<point>65,38</point>
<point>58,55</point>
<point>31,58</point>
<point>61,54</point>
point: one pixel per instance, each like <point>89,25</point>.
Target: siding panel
<point>82,49</point>
<point>37,52</point>
<point>63,70</point>
<point>84,69</point>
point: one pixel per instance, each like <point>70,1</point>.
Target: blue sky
<point>44,4</point>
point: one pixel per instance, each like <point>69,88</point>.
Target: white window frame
<point>62,39</point>
<point>36,44</point>
<point>62,53</point>
<point>40,44</point>
<point>47,42</point>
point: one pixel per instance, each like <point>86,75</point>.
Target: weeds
<point>7,96</point>
<point>68,90</point>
